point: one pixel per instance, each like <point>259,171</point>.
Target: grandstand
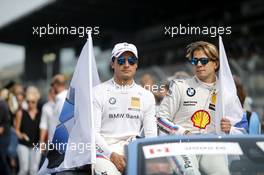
<point>143,23</point>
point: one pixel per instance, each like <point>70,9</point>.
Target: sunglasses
<point>31,101</point>
<point>203,61</point>
<point>131,60</point>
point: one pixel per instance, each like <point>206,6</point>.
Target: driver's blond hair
<point>209,49</point>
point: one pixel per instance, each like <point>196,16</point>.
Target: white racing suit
<point>189,106</point>
<point>121,113</point>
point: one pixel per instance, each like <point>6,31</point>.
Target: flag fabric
<point>228,104</point>
<point>73,143</point>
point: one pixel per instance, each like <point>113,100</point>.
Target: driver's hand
<point>119,161</point>
<point>225,125</point>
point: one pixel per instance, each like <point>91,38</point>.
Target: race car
<point>171,155</point>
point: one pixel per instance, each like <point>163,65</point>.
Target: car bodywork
<point>249,148</point>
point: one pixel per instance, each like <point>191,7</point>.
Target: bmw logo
<point>112,100</point>
<point>190,92</point>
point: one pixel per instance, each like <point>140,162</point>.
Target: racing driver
<point>122,110</point>
<point>189,106</point>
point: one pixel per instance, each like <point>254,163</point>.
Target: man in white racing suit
<point>189,106</point>
<point>122,110</point>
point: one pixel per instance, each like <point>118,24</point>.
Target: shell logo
<point>201,119</point>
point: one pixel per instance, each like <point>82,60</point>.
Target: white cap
<point>124,47</point>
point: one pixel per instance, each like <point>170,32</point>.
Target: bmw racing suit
<point>121,113</point>
<point>189,107</point>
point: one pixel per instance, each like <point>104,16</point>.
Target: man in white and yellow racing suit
<point>189,106</point>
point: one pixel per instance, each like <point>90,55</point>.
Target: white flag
<point>228,104</point>
<point>73,143</point>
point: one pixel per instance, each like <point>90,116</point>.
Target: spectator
<point>48,120</point>
<point>4,137</point>
<point>27,130</point>
<point>19,93</point>
<point>179,75</point>
<point>20,96</point>
<point>148,82</point>
<point>58,83</point>
<point>254,126</point>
